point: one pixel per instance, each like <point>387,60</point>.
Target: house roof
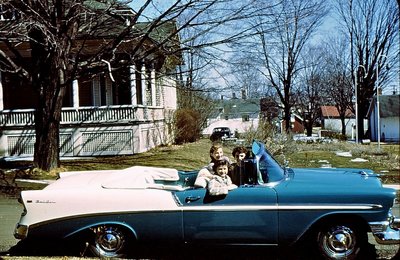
<point>332,112</point>
<point>241,106</point>
<point>105,4</point>
<point>162,34</point>
<point>109,20</point>
<point>236,107</point>
<point>389,106</point>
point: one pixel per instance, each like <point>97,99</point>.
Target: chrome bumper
<point>21,231</point>
<point>386,232</point>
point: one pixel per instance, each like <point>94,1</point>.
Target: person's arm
<point>216,187</point>
<point>231,186</point>
<point>202,178</point>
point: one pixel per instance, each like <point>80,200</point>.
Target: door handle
<point>192,198</point>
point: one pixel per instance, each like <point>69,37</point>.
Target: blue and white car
<point>111,213</point>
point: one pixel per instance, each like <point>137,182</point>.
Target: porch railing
<point>69,115</point>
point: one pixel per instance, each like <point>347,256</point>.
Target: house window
<point>102,91</point>
<point>245,118</point>
<point>121,87</point>
<point>13,86</point>
<point>138,83</point>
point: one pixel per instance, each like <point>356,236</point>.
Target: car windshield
<point>268,169</point>
<point>216,130</point>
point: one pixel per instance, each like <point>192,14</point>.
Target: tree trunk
<point>363,106</point>
<point>342,120</point>
<point>46,155</point>
<point>46,81</point>
<point>309,127</point>
<point>47,124</point>
<point>287,118</point>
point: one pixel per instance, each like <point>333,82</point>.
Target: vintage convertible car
<point>111,213</point>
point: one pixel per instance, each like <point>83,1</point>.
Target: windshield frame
<point>273,171</point>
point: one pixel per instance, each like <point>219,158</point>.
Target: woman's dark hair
<point>239,149</point>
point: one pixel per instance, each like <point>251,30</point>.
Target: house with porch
<point>115,112</point>
<point>389,118</point>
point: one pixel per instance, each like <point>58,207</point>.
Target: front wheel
<point>341,241</point>
<point>109,241</point>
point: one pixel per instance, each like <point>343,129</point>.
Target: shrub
<point>277,143</point>
<point>187,126</point>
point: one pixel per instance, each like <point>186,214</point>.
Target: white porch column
<point>161,88</point>
<point>144,85</point>
<point>1,93</point>
<point>132,70</point>
<point>153,86</point>
<point>75,93</point>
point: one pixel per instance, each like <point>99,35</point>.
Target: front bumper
<point>386,232</point>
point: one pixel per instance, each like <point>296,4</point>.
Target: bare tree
<point>282,39</point>
<point>372,27</point>
<point>248,81</point>
<point>191,92</point>
<point>311,93</point>
<point>339,88</point>
<point>58,34</point>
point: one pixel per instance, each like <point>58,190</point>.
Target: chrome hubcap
<point>109,241</point>
<point>339,242</point>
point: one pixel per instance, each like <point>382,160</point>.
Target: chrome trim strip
<point>280,207</point>
<point>345,207</point>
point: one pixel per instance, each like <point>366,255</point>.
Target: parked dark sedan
<point>111,213</point>
<point>220,133</point>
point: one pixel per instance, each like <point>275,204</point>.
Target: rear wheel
<point>109,241</point>
<point>341,241</point>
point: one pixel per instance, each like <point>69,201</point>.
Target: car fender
<point>111,223</point>
<point>290,235</point>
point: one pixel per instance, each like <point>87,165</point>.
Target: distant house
<point>389,113</point>
<point>123,113</point>
<point>330,120</point>
<point>239,115</point>
<point>296,124</point>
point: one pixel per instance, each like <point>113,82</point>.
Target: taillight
<point>21,201</point>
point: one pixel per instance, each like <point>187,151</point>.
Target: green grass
<point>184,157</point>
<point>195,155</point>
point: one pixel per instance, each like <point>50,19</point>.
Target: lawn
<point>195,155</point>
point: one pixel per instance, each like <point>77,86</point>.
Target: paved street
<point>10,211</point>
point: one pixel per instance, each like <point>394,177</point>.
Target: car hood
<point>333,186</point>
<point>335,176</point>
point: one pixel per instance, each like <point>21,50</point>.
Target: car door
<point>246,215</point>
